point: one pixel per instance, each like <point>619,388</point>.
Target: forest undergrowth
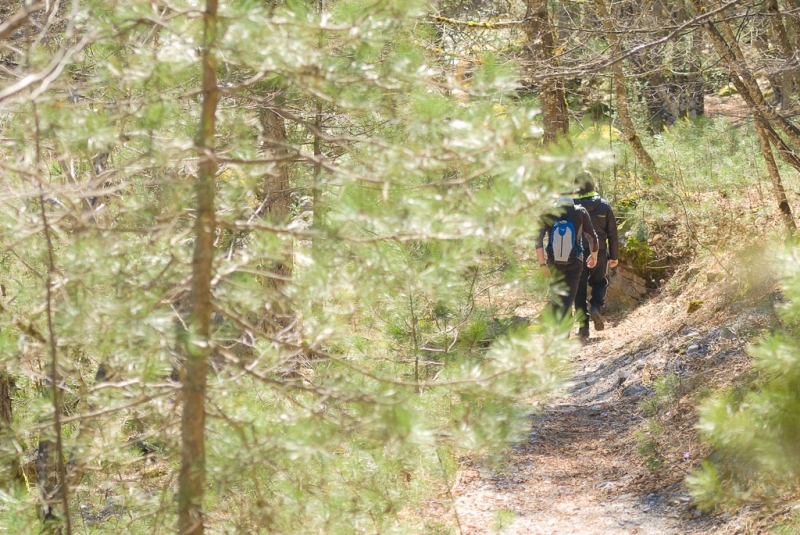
<point>614,453</point>
<point>622,451</point>
<point>268,267</point>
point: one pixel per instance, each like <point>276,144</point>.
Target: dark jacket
<point>579,218</point>
<point>604,222</point>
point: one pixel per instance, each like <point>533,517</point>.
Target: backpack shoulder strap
<point>579,227</point>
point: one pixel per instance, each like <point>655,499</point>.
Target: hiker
<point>605,225</point>
<point>567,230</point>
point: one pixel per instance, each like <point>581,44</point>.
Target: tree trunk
<point>727,47</point>
<point>789,76</point>
<point>47,478</point>
<point>7,419</point>
<point>542,45</point>
<point>6,416</point>
<point>193,464</point>
<point>51,471</point>
<point>622,95</point>
<point>277,206</point>
<point>694,82</point>
<point>674,90</point>
<point>791,11</point>
<point>778,190</point>
<point>762,45</point>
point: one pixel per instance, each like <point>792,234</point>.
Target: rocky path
<point>579,472</point>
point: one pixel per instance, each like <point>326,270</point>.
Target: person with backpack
<point>605,225</point>
<point>567,229</point>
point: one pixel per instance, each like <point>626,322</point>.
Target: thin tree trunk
<point>789,76</point>
<point>6,416</point>
<point>51,471</point>
<point>695,84</point>
<point>277,206</point>
<point>193,464</point>
<point>762,45</point>
<point>51,479</point>
<point>726,46</point>
<point>778,190</point>
<point>317,208</point>
<point>542,44</point>
<point>622,96</point>
<point>6,421</point>
<point>791,11</point>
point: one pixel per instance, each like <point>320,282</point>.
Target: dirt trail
<point>579,471</point>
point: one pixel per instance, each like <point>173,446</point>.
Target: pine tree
<point>314,399</point>
<point>754,430</point>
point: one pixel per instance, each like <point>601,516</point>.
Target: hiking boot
<point>597,319</point>
<point>583,331</point>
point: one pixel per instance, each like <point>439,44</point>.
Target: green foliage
<point>666,389</point>
<point>503,518</point>
<point>358,345</point>
<point>753,428</point>
<point>647,445</point>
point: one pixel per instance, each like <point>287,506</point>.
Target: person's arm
<point>591,236</point>
<point>541,257</point>
<point>540,245</point>
<point>613,238</point>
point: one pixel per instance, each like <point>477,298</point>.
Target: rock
<point>625,289</point>
<point>622,377</point>
<point>728,333</point>
<point>635,390</point>
<point>693,350</point>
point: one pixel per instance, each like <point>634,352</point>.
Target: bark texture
<point>674,89</point>
<point>193,464</point>
<point>778,191</point>
<point>6,416</point>
<point>621,93</point>
<point>277,204</point>
<point>6,420</point>
<point>542,45</point>
<point>789,74</point>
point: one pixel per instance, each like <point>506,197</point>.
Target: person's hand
<point>592,261</point>
<point>613,263</point>
<point>545,271</point>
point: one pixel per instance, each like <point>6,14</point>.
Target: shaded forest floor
<point>611,456</point>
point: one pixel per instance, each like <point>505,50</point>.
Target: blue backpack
<point>564,241</point>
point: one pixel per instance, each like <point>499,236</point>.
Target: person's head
<point>564,200</point>
<point>584,183</point>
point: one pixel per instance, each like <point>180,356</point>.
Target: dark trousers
<point>597,278</point>
<point>565,285</point>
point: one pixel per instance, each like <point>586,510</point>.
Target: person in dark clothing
<point>605,225</point>
<point>565,264</point>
